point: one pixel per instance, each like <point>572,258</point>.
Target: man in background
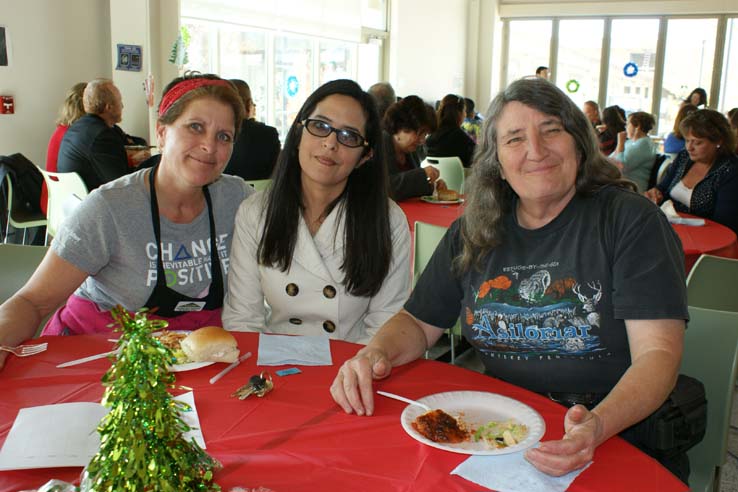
<point>92,146</point>
<point>384,96</point>
<point>542,72</point>
<point>257,146</point>
<point>592,110</point>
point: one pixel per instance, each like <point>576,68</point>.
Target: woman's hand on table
<point>352,388</point>
<point>582,432</point>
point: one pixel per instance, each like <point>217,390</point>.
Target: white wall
<point>428,47</point>
<point>53,45</point>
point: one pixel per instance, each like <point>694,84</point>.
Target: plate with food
<point>199,348</point>
<point>440,201</point>
<point>474,422</point>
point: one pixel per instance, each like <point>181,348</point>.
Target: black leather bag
<point>677,425</point>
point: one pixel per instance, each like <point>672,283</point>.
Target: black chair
<point>653,176</point>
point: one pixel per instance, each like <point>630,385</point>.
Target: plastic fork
<point>25,350</point>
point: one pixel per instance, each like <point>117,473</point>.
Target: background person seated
<point>613,122</point>
<point>703,178</point>
<point>257,146</point>
<point>384,96</point>
<point>449,140</point>
<point>635,151</point>
<point>674,141</point>
<point>472,124</point>
<point>71,110</point>
<point>592,112</point>
<point>406,126</point>
<point>92,147</point>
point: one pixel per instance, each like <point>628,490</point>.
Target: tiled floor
<point>729,478</point>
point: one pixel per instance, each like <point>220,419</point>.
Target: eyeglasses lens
<point>322,129</point>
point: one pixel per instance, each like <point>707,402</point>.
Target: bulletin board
<point>129,57</point>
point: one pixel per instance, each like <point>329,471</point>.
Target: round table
<point>417,210</point>
<point>711,238</point>
<point>296,438</point>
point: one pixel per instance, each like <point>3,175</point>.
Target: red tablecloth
<point>712,238</point>
<point>432,213</point>
<point>296,438</point>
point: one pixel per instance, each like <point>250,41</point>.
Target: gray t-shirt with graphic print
<point>111,237</point>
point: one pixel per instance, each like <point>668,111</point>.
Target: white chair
<point>664,167</point>
<point>66,192</point>
<point>451,171</point>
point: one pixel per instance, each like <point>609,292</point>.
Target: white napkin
<point>277,350</point>
<point>512,473</point>
<point>668,208</point>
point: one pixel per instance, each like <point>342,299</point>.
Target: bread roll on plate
<point>210,344</point>
<point>448,195</point>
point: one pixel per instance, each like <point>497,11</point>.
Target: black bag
<point>27,181</point>
<point>677,425</point>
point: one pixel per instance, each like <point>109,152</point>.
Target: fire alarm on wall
<point>7,105</point>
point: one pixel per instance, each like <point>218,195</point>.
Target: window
<point>243,56</point>
<point>632,63</point>
<point>690,50</point>
<point>579,61</point>
<point>285,54</point>
<point>528,49</point>
<point>293,79</point>
<point>336,61</point>
<point>729,94</point>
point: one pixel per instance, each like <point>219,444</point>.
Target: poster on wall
<point>129,57</point>
<point>3,48</point>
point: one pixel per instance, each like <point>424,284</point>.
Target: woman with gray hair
<point>544,268</point>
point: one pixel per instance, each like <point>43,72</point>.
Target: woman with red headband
<point>158,238</point>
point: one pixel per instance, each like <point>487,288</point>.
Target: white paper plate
<point>430,199</point>
<point>189,366</point>
<point>477,408</point>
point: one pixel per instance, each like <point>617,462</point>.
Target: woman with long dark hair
<point>323,246</point>
<point>449,140</point>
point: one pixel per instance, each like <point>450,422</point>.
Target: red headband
<point>182,88</point>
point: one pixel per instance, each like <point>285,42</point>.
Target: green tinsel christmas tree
<point>141,443</point>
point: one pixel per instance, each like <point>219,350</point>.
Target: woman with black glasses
<point>323,250</point>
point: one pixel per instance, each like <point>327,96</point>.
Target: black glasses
<point>320,128</point>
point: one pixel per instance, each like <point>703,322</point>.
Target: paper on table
<point>512,473</point>
<point>277,350</point>
<point>668,208</point>
<point>36,439</point>
<point>192,419</point>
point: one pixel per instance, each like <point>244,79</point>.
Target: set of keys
<point>258,385</point>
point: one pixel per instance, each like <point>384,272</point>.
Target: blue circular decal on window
<point>292,86</point>
<point>630,69</point>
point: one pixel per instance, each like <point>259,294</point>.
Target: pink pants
<point>82,317</point>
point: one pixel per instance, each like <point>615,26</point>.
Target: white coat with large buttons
<point>310,298</point>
